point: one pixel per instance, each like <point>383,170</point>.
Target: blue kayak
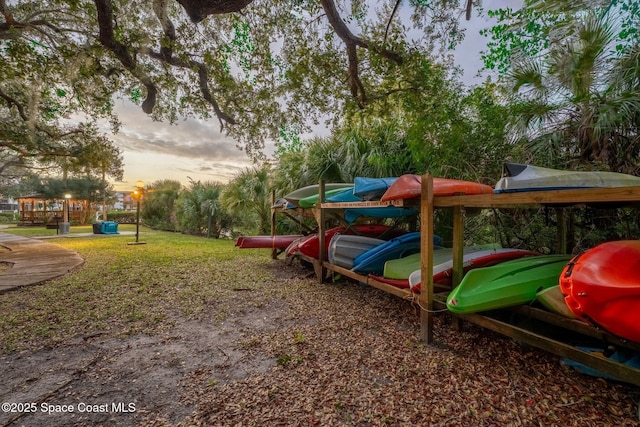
<point>371,188</point>
<point>372,261</point>
<point>345,195</point>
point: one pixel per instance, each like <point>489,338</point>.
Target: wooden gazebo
<point>37,210</point>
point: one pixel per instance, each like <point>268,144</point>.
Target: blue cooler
<point>109,227</point>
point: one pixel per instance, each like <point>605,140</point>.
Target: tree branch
<point>393,13</point>
<point>108,40</point>
<point>166,56</point>
<point>352,42</point>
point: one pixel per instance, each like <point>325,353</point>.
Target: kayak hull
<point>521,177</point>
<point>506,284</point>
<point>373,260</point>
<point>602,286</point>
<point>344,248</point>
<point>310,246</point>
<point>409,186</point>
<point>296,195</point>
<point>371,188</point>
<point>272,242</point>
<point>553,300</point>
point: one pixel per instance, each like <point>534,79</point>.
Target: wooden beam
<point>321,233</point>
<point>550,198</point>
<point>274,251</point>
<point>426,249</point>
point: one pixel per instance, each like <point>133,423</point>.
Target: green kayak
<point>401,268</point>
<point>309,201</point>
<point>506,284</point>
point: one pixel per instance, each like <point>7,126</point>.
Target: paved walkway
<point>33,261</point>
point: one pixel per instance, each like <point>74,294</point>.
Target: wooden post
<point>458,244</point>
<point>274,251</point>
<point>458,253</point>
<point>426,250</point>
<point>321,235</point>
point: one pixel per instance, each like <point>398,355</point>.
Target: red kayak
<point>310,246</point>
<point>256,242</point>
<point>602,286</point>
<point>410,186</point>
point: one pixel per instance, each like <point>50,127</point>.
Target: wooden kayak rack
<point>432,300</point>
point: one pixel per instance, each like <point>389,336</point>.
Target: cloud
<point>195,139</point>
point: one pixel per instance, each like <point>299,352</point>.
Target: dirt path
<point>126,381</point>
<point>326,355</point>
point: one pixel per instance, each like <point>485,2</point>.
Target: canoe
<point>344,248</point>
<point>521,177</point>
<point>410,186</point>
<point>443,272</point>
<point>372,261</point>
<point>506,284</point>
<point>602,285</point>
<point>553,300</point>
<point>310,246</point>
<point>295,196</point>
<point>371,188</point>
<point>256,242</point>
<point>401,268</point>
<point>310,201</point>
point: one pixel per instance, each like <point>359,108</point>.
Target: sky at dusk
<point>196,149</point>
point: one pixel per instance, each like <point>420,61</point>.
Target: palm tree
<point>248,198</point>
<point>580,106</point>
<point>199,209</point>
<point>158,207</point>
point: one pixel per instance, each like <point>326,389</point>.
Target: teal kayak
<point>295,196</point>
<point>506,284</point>
<point>309,201</point>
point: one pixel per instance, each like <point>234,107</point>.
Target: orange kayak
<point>409,186</point>
<point>602,286</point>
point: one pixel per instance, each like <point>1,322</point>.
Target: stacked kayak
<point>473,257</point>
<point>602,286</point>
<point>295,196</point>
<point>521,177</point>
<point>410,186</point>
<point>344,248</point>
<point>309,246</point>
<point>553,300</point>
<point>506,284</point>
<point>372,261</point>
<point>273,242</point>
<point>337,193</point>
<point>371,188</point>
<point>403,267</point>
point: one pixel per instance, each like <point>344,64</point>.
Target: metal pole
<point>138,219</point>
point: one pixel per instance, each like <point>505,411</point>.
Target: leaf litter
<point>269,346</point>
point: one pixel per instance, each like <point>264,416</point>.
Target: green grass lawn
<point>126,289</point>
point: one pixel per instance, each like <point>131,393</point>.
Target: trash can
<point>109,227</point>
<point>97,227</point>
<point>63,228</point>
